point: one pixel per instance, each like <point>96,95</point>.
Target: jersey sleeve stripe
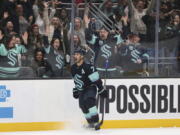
<point>93,40</point>
<point>94,76</point>
<point>146,55</point>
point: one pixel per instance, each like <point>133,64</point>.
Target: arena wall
<point>49,105</point>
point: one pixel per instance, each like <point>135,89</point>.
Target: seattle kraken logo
<point>60,63</point>
<point>105,50</point>
<point>135,54</point>
<point>12,57</point>
<point>79,83</point>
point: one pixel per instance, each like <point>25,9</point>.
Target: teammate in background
<point>87,80</point>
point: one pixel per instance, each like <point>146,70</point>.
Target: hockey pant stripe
<point>92,112</point>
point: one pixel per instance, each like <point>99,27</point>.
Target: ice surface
<point>79,131</point>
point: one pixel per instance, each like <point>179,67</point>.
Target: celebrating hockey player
<point>87,80</point>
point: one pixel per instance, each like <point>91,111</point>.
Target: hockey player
<point>87,80</point>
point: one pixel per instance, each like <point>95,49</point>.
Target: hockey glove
<point>103,93</point>
<point>76,93</point>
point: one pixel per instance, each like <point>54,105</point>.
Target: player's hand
<point>76,94</point>
<point>103,93</point>
<point>139,61</point>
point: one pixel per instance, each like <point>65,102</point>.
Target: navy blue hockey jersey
<point>85,75</point>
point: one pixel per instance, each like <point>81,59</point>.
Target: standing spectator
<point>107,7</point>
<point>122,7</point>
<point>133,57</point>
<point>121,23</point>
<point>9,60</point>
<point>64,18</point>
<point>34,40</point>
<point>23,22</point>
<point>165,15</point>
<point>8,13</point>
<point>79,28</point>
<point>27,9</point>
<point>40,65</point>
<point>9,28</point>
<point>56,30</point>
<point>77,42</point>
<point>55,56</point>
<point>42,16</point>
<point>173,28</point>
<point>137,11</point>
<point>105,46</point>
<point>23,51</point>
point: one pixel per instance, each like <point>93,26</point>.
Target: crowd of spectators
<point>36,36</point>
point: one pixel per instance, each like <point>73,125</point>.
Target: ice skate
<point>91,126</point>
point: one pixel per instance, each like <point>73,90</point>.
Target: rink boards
<point>49,105</point>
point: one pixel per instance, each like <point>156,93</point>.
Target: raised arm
<point>102,5</point>
<point>52,10</point>
<point>150,6</point>
<point>45,13</point>
<point>131,6</point>
<point>35,11</point>
<point>86,18</point>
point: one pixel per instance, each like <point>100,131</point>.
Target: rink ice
<point>78,131</point>
<point>75,128</point>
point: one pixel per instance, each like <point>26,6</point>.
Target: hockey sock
<point>92,116</point>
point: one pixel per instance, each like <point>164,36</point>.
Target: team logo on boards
<point>5,94</point>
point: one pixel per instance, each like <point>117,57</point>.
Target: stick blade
<point>98,126</point>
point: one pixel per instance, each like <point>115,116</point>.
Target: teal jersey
<point>21,49</point>
<point>9,60</point>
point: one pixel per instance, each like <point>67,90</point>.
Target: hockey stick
<point>97,127</point>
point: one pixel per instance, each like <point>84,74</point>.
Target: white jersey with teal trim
<point>9,60</point>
